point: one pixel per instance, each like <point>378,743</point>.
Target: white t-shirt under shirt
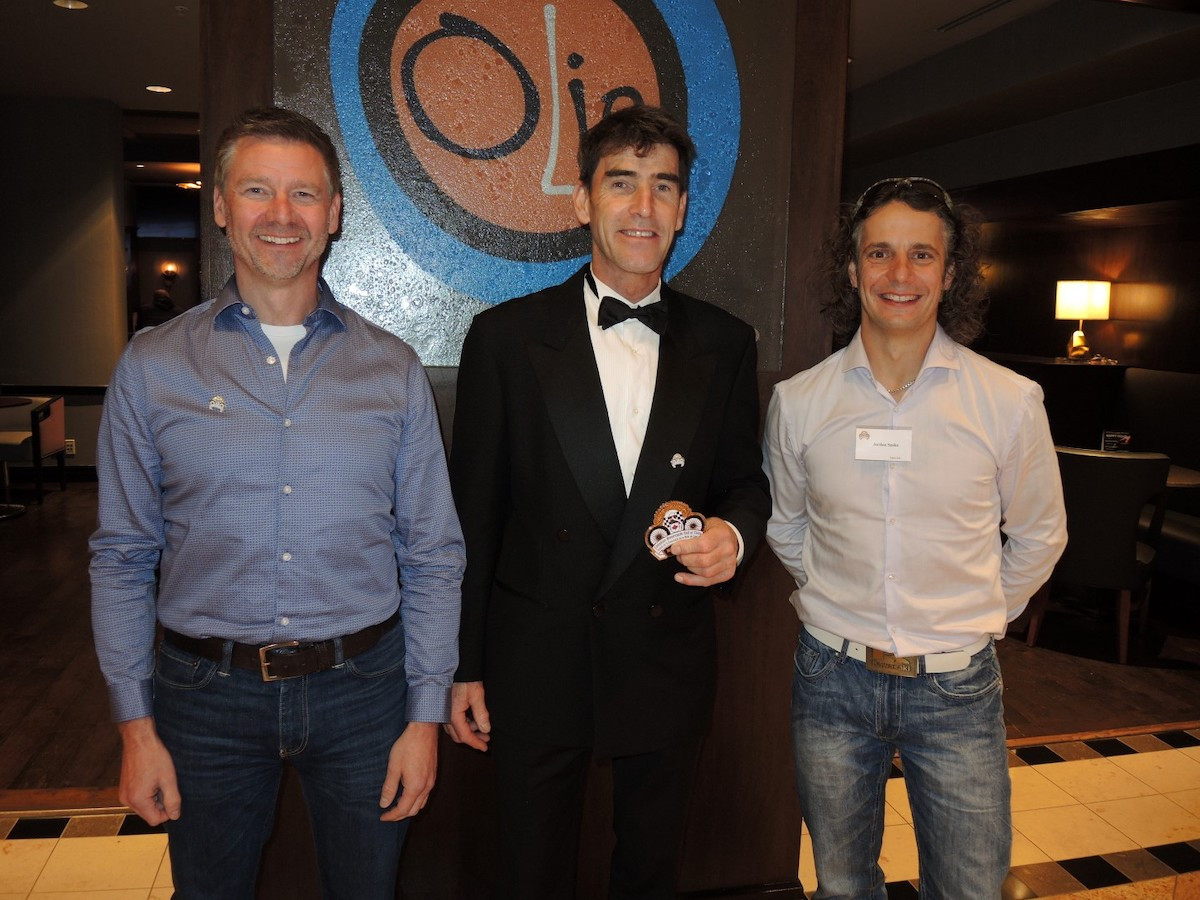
<point>283,338</point>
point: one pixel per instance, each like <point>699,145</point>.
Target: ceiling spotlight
<point>70,4</point>
<point>158,89</point>
<point>188,185</point>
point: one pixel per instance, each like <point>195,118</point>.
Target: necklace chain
<point>903,387</point>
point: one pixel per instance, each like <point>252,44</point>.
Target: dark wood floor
<point>55,736</point>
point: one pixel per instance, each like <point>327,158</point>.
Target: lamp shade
<point>1082,300</point>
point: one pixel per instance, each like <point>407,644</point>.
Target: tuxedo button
<point>563,535</point>
<point>598,610</point>
<point>656,610</point>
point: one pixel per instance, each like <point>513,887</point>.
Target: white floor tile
<point>103,863</point>
<point>21,862</point>
<point>1094,780</point>
<point>1150,820</point>
<point>1065,832</point>
<point>1025,852</point>
<point>1032,790</point>
<point>1163,770</point>
<point>1189,800</point>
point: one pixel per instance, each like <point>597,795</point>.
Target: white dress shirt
<point>627,357</point>
<point>907,556</point>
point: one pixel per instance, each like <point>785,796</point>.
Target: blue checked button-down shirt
<point>278,510</point>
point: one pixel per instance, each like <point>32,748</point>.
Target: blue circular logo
<point>462,123</point>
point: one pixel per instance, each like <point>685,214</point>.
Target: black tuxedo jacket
<point>580,636</point>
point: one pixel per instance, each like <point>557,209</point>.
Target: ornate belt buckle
<point>265,664</point>
<point>888,664</point>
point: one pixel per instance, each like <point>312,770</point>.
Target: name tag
<point>892,444</point>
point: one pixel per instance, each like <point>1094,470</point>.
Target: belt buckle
<point>889,664</point>
<point>264,663</point>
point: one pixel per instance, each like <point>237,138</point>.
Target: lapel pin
<point>217,404</point>
<point>677,461</point>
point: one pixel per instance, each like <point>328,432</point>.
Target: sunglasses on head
<point>912,182</point>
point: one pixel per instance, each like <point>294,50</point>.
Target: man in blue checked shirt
<point>277,460</point>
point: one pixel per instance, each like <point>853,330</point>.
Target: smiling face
<point>900,273</point>
<point>634,206</point>
<point>278,210</point>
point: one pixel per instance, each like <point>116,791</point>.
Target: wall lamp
<point>1081,300</point>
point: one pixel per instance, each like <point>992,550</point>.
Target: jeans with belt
<point>847,722</point>
<point>230,733</point>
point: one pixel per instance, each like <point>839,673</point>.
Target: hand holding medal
<point>707,548</point>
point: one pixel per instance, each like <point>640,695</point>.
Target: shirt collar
<point>600,289</point>
<point>943,353</point>
<point>229,306</point>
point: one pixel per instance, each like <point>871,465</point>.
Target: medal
<point>674,521</point>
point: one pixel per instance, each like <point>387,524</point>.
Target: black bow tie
<point>613,312</point>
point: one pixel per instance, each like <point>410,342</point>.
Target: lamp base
<point>1078,348</point>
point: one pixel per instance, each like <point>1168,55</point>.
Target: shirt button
<point>287,488</point>
<point>287,423</point>
<point>891,521</point>
<point>286,557</point>
<point>891,465</point>
<point>656,610</point>
<point>563,535</point>
<point>285,621</point>
<point>270,360</point>
<point>891,577</point>
<point>245,310</point>
<point>598,610</point>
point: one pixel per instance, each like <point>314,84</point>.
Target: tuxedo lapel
<point>680,390</point>
<point>570,384</point>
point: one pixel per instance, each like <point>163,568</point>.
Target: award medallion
<point>674,521</point>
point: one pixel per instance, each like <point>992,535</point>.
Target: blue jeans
<point>230,734</point>
<point>949,730</point>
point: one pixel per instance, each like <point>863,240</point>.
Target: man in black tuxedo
<point>579,414</point>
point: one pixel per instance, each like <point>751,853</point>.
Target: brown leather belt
<point>285,659</point>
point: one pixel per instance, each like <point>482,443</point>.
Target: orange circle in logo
<point>493,125</point>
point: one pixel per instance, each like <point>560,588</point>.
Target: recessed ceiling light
<point>71,4</point>
<point>158,89</point>
<point>188,185</point>
<point>141,165</point>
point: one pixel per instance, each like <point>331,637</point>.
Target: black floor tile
<point>1038,755</point>
<point>1094,872</point>
<point>1181,857</point>
<point>32,829</point>
<point>137,825</point>
<point>1177,739</point>
<point>1110,747</point>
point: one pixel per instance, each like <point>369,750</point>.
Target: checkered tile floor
<point>1104,819</point>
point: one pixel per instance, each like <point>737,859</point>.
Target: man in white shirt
<point>917,503</point>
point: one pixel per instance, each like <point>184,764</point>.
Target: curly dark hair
<point>276,123</point>
<point>640,128</point>
<point>963,304</point>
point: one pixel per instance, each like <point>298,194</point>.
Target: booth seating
<point>1161,412</point>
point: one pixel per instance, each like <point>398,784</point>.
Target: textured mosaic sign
<point>458,123</point>
<point>471,162</point>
